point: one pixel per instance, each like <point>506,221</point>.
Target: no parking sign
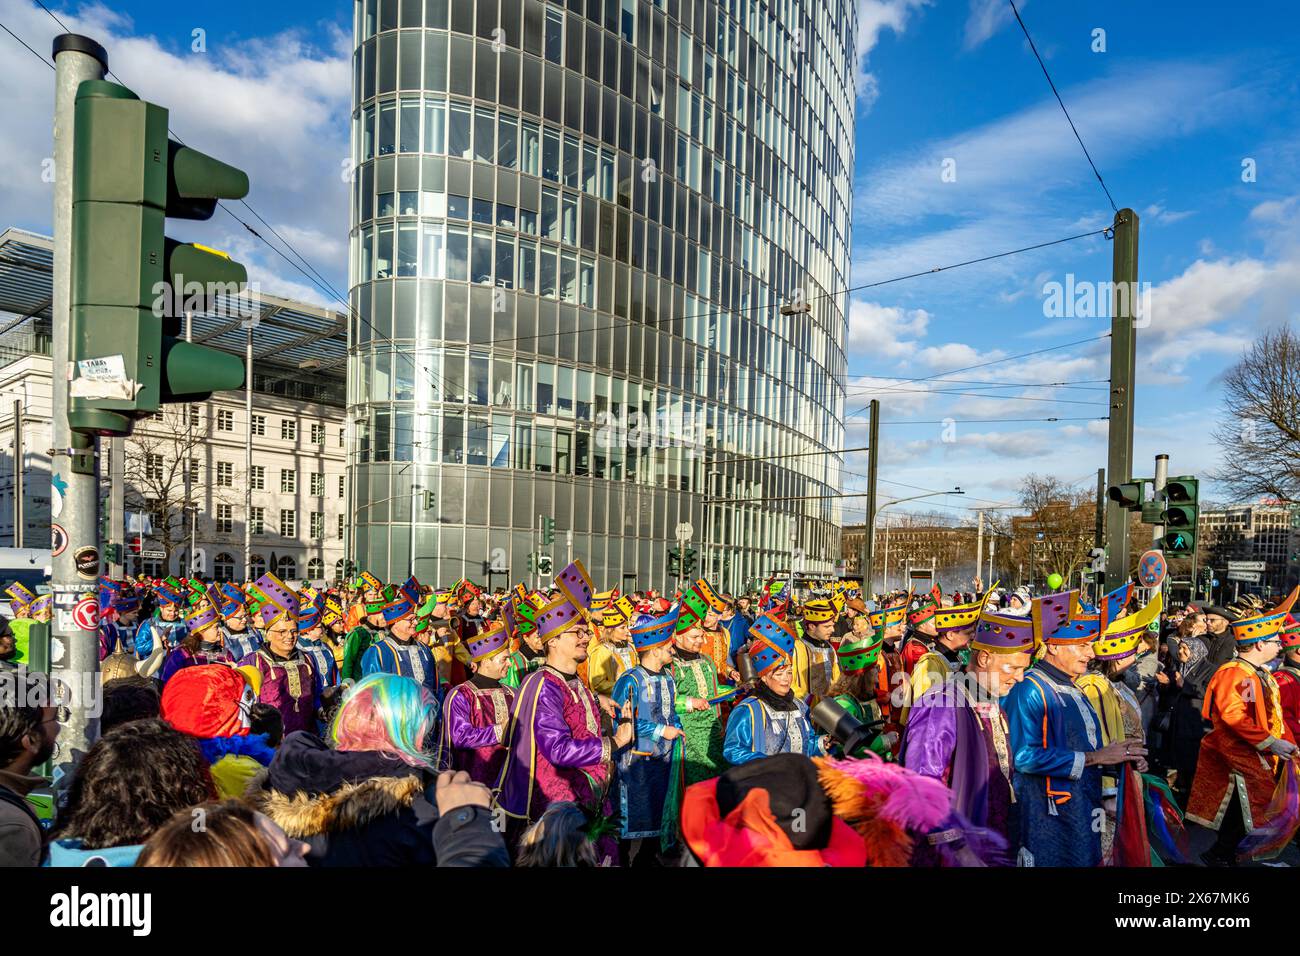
<point>1152,569</point>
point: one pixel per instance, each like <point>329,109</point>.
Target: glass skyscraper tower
<point>597,254</point>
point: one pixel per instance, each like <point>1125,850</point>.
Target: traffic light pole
<point>117,504</point>
<point>1162,477</point>
<point>74,467</point>
<point>866,553</point>
<point>1123,335</point>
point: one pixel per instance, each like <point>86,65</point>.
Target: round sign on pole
<point>1152,569</point>
<point>86,614</point>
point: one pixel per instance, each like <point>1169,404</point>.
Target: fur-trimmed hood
<point>351,807</point>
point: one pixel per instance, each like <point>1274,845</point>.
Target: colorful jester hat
<point>22,598</point>
<point>698,600</point>
<point>274,599</point>
<point>492,640</point>
<point>1290,633</point>
<point>1121,639</point>
<point>1059,618</point>
<point>405,602</point>
<point>570,606</point>
<point>1003,633</point>
<point>771,645</point>
<point>228,598</point>
<point>1255,627</point>
<point>857,655</point>
<point>201,615</point>
<point>923,608</point>
<point>651,631</point>
<point>959,617</point>
<point>617,613</point>
<point>331,610</point>
<point>170,591</point>
<point>520,612</point>
<point>387,595</point>
<point>818,611</point>
<point>368,582</point>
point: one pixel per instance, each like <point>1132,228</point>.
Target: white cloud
<point>276,107</point>
<point>1164,215</point>
<point>1190,311</point>
<point>874,17</point>
<point>876,329</point>
<point>987,17</point>
<point>954,355</point>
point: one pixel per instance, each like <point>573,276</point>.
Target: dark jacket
<point>367,809</point>
<point>21,836</point>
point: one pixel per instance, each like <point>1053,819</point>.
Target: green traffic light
<point>129,283</point>
<point>1180,542</point>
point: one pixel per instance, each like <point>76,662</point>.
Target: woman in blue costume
<point>772,720</point>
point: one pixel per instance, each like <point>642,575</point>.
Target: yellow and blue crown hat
<point>1121,638</point>
<point>1257,627</point>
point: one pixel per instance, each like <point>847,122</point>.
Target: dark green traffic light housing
<point>1127,494</point>
<point>130,283</point>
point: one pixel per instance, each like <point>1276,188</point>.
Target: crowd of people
<point>375,724</point>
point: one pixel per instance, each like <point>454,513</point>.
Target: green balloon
<point>1054,581</point>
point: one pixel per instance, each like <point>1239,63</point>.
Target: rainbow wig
<point>389,714</point>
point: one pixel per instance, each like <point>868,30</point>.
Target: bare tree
<point>1260,436</point>
<point>158,478</point>
<point>1060,528</point>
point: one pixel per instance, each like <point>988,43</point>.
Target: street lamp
<point>898,501</point>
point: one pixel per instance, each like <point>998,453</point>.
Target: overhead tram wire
<point>1068,119</point>
<point>24,43</point>
<point>1081,385</point>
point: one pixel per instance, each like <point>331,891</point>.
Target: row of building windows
<point>226,567</point>
<point>225,522</point>
<point>653,455</point>
<point>770,382</point>
<point>497,381</point>
<point>288,426</point>
<point>724,219</point>
<point>581,507</point>
<point>710,123</point>
<point>155,469</point>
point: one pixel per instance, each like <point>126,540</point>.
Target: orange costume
<point>1245,706</point>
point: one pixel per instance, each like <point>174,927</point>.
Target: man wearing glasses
<point>28,729</point>
<point>1249,739</point>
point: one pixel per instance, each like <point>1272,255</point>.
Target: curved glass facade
<point>573,230</point>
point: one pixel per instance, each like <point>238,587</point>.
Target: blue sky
<point>1181,96</point>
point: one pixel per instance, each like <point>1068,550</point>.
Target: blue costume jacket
<point>645,767</point>
<point>173,632</point>
<point>738,628</point>
<point>241,643</point>
<point>391,656</point>
<point>1051,725</point>
<point>323,658</point>
<point>757,730</point>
